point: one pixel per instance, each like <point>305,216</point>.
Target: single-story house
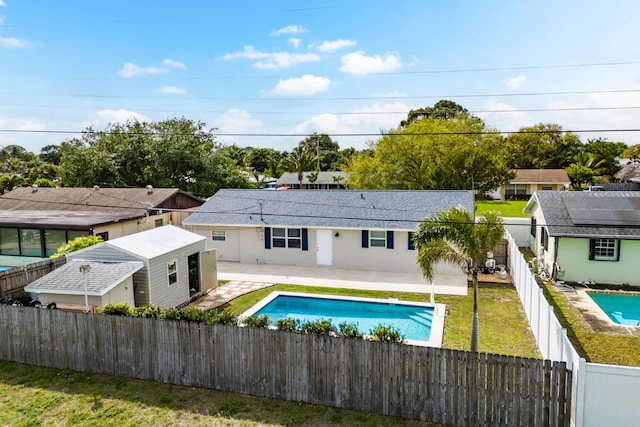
<point>175,263</point>
<point>327,180</point>
<point>587,236</point>
<point>629,172</point>
<point>350,229</point>
<point>528,181</point>
<point>106,282</point>
<point>36,221</point>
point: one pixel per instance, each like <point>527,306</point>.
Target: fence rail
<point>13,281</point>
<point>435,385</point>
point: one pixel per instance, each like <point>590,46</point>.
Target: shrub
<point>192,315</point>
<point>172,314</point>
<point>349,330</point>
<point>261,321</point>
<point>288,324</point>
<point>148,311</point>
<point>386,333</point>
<point>224,317</point>
<point>118,309</point>
<point>319,327</point>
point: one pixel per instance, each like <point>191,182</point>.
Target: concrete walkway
<point>341,278</point>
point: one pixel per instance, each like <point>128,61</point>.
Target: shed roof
<point>155,242</point>
<point>380,209</point>
<point>68,279</point>
<point>541,176</point>
<point>599,214</point>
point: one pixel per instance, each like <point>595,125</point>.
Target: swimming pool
<point>623,309</point>
<point>4,268</point>
<point>421,323</point>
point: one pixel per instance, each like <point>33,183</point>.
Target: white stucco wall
<point>575,265</point>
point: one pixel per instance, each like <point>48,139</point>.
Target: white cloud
<point>173,90</point>
<point>235,121</point>
<point>174,64</point>
<point>331,46</point>
<point>515,82</point>
<point>368,120</point>
<point>358,63</point>
<point>272,60</point>
<point>295,42</point>
<point>305,85</point>
<point>132,70</point>
<point>2,3</point>
<point>102,118</point>
<point>290,29</point>
<point>14,43</point>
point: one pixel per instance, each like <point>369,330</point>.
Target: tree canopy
<point>434,154</point>
<point>543,146</point>
<point>173,153</point>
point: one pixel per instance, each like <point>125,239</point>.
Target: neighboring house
<point>106,282</point>
<point>629,172</point>
<point>528,181</point>
<point>175,262</point>
<point>326,180</point>
<point>587,236</point>
<point>35,221</point>
<point>366,230</point>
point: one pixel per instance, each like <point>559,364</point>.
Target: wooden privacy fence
<point>431,384</point>
<point>13,281</point>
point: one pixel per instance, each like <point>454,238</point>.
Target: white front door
<point>324,247</point>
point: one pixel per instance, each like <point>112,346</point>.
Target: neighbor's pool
<point>4,268</point>
<point>419,322</point>
<point>623,309</point>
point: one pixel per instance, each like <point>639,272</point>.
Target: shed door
<point>208,269</point>
<point>324,247</point>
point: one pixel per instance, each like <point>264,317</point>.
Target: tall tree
<point>455,237</point>
<point>443,109</point>
<point>543,146</point>
<point>322,148</point>
<point>607,151</point>
<point>172,153</point>
<point>434,154</point>
<point>299,161</point>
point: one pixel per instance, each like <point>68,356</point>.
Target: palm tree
<point>298,161</point>
<point>454,236</point>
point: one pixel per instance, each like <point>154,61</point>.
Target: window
<point>172,272</point>
<point>30,242</point>
<point>378,239</point>
<point>546,187</point>
<point>604,249</point>
<point>9,242</point>
<point>533,226</point>
<point>53,239</point>
<point>104,235</point>
<point>411,246</point>
<point>218,235</point>
<point>515,189</point>
<point>287,238</point>
<point>158,222</point>
<point>544,238</point>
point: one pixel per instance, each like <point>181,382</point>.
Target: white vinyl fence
<point>603,395</point>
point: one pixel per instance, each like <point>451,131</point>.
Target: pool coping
<point>437,322</point>
<point>588,306</point>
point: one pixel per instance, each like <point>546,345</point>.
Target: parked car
<point>595,188</point>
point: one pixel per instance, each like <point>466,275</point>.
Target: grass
<point>32,396</point>
<point>596,347</point>
<point>499,306</point>
<point>508,208</point>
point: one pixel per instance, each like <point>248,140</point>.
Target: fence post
<point>550,316</point>
<point>578,393</point>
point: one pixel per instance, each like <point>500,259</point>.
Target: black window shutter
<point>365,238</point>
<point>267,237</point>
<point>411,246</point>
<point>617,250</point>
<point>389,239</point>
<point>592,249</point>
<point>305,239</point>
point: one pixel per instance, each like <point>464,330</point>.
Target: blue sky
<point>267,73</point>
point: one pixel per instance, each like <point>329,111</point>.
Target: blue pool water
<point>3,268</point>
<point>413,321</point>
<point>621,309</point>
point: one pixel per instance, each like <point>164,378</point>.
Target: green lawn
<point>508,208</point>
<point>499,306</point>
<point>31,396</point>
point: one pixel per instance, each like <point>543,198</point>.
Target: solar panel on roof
<point>606,211</point>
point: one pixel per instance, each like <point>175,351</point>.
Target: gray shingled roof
<point>558,220</point>
<point>68,279</point>
<point>324,177</point>
<point>393,209</point>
